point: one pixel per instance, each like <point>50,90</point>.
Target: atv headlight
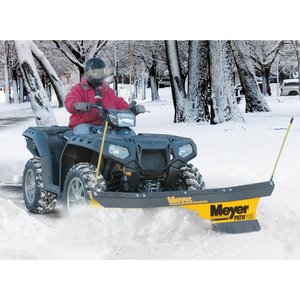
<point>126,119</point>
<point>118,151</point>
<point>185,150</point>
<point>121,118</point>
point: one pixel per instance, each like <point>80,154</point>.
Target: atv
<point>112,166</point>
<point>64,164</point>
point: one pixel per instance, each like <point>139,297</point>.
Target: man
<point>84,95</point>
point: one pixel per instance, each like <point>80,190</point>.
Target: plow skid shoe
<point>230,209</point>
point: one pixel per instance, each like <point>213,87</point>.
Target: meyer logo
<point>229,212</point>
<point>179,200</point>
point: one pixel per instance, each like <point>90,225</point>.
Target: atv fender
<point>47,143</point>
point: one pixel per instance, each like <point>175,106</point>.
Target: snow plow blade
<point>231,209</point>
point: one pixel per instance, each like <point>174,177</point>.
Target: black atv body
<point>153,163</point>
<point>130,163</point>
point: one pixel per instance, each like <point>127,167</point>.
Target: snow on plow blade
<point>231,209</point>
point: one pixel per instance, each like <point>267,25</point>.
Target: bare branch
<point>72,47</point>
<point>72,59</point>
<point>98,45</point>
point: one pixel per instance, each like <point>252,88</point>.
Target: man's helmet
<point>94,71</point>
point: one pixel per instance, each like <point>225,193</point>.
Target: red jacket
<point>83,92</point>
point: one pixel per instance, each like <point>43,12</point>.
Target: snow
<point>228,154</point>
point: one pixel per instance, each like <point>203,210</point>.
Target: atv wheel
<point>79,181</point>
<point>191,178</point>
<point>37,200</point>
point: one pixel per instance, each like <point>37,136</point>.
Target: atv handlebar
<point>140,109</point>
<point>135,108</point>
<point>102,111</point>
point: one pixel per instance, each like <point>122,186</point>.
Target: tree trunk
<point>144,86</point>
<point>81,72</point>
<point>15,91</point>
<point>198,80</point>
<point>21,90</point>
<point>298,59</point>
<point>253,97</point>
<point>136,90</point>
<point>265,80</point>
<point>15,86</point>
<point>177,86</point>
<point>52,75</point>
<point>7,87</point>
<point>153,81</point>
<point>115,84</point>
<point>39,100</point>
<point>154,88</point>
<point>224,104</point>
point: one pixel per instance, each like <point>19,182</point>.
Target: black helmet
<point>94,70</point>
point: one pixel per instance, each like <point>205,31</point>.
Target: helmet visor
<point>96,73</point>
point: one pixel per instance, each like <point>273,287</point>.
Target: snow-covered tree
<point>7,86</point>
<point>253,97</point>
<point>298,56</point>
<point>177,85</point>
<point>297,48</point>
<point>198,83</point>
<point>224,104</point>
<point>39,100</point>
<point>51,73</point>
<point>63,66</point>
<point>78,51</point>
<point>263,54</point>
<point>286,65</point>
<point>11,71</point>
<point>15,80</point>
<point>152,54</point>
<point>210,83</point>
<point>4,63</point>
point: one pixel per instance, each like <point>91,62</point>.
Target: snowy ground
<point>228,154</point>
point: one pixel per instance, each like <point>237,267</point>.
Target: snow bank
<point>20,234</point>
<point>97,233</point>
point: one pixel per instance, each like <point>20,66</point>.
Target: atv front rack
<point>231,209</point>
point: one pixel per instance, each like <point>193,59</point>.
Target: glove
<point>83,106</point>
<point>139,109</point>
<point>136,108</point>
<point>132,105</point>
